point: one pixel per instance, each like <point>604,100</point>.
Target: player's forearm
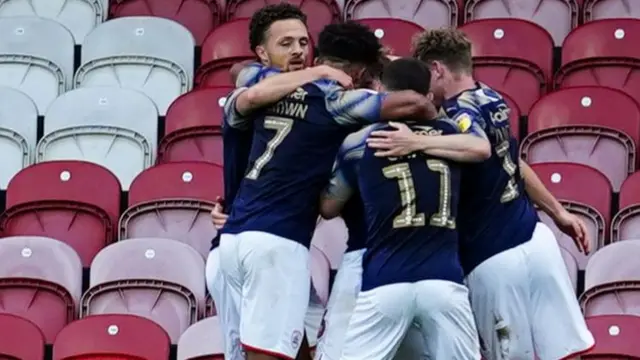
<point>405,104</point>
<point>538,193</point>
<point>461,147</point>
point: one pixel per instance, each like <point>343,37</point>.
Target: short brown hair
<point>450,46</point>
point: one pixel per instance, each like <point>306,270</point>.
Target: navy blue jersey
<point>410,206</point>
<point>495,213</point>
<point>293,150</point>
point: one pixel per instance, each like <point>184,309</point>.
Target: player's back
<point>410,207</point>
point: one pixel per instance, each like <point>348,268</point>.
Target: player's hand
<point>398,142</point>
<point>218,217</point>
<point>328,72</point>
<point>571,225</point>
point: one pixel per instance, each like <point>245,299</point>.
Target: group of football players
<point>446,258</point>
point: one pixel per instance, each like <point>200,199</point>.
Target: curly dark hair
<point>262,19</point>
<point>351,42</point>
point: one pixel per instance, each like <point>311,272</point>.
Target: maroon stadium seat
<point>584,191</point>
<point>75,202</point>
<point>177,207</point>
<point>395,34</point>
<point>612,280</point>
<point>21,339</point>
<point>558,17</point>
<point>626,223</point>
<point>426,13</point>
<point>500,60</point>
<point>604,53</point>
<point>616,337</point>
<point>199,16</point>
<point>319,12</point>
<point>112,337</point>
<point>159,279</point>
<point>330,237</point>
<point>608,9</point>
<point>193,127</point>
<point>202,341</point>
<point>40,280</point>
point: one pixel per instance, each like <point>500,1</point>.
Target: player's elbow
<point>481,150</point>
<point>328,209</point>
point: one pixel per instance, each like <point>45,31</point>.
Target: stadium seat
<point>78,17</point>
<point>21,339</point>
<point>202,341</point>
<point>514,116</point>
<point>612,285</point>
<point>199,16</point>
<point>604,53</point>
<point>114,336</point>
<point>626,223</point>
<point>395,34</point>
<point>159,279</point>
<point>148,54</point>
<point>616,337</point>
<point>558,17</point>
<point>572,266</point>
<point>499,59</point>
<point>18,128</point>
<point>113,127</point>
<point>40,280</point>
<point>178,207</point>
<point>330,237</point>
<point>319,12</point>
<point>607,9</point>
<point>583,191</point>
<point>36,57</point>
<point>75,202</point>
<point>429,14</point>
<point>193,127</point>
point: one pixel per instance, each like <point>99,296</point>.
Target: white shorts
<point>270,277</point>
<point>313,319</point>
<point>524,303</point>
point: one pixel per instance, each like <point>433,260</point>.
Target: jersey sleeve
<point>344,181</point>
<point>469,121</point>
<point>253,73</point>
<point>355,107</point>
<point>231,116</point>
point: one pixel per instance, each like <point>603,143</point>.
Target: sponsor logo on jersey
<point>463,121</point>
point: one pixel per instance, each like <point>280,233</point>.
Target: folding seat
<point>113,127</point>
<point>73,201</point>
<point>203,340</point>
<point>319,12</point>
<point>148,54</point>
<point>115,336</point>
<point>36,57</point>
<point>626,223</point>
<point>600,9</point>
<point>616,337</point>
<point>178,207</point>
<point>572,266</point>
<point>330,237</point>
<point>193,127</point>
<point>199,16</point>
<point>41,281</point>
<point>21,339</point>
<point>604,53</point>
<point>159,279</point>
<point>18,128</point>
<point>395,34</point>
<point>500,60</point>
<point>611,280</point>
<point>583,191</point>
<point>428,13</point>
<point>558,17</point>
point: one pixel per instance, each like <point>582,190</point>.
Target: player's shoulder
<point>354,144</point>
<point>252,73</point>
<point>446,125</point>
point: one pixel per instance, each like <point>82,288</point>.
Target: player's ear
<point>262,54</point>
<point>316,61</point>
<point>430,96</point>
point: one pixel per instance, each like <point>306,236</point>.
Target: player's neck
<point>462,83</point>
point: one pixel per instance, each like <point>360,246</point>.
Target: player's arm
<point>335,195</point>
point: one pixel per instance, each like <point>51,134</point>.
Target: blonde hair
<point>447,45</point>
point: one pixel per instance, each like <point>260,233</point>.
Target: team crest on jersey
<point>463,121</point>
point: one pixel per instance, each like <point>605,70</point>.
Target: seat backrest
<point>203,339</point>
<point>572,266</point>
<point>229,40</point>
<point>200,107</point>
<point>607,9</point>
<point>21,339</point>
<point>129,336</point>
<point>428,13</point>
<point>615,337</point>
<point>18,127</point>
<point>626,223</point>
<point>395,34</point>
<point>330,237</point>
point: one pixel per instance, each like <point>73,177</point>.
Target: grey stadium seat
<point>160,279</point>
<point>18,127</point>
<point>116,128</point>
<point>36,57</point>
<point>202,340</point>
<point>149,54</point>
<point>79,17</point>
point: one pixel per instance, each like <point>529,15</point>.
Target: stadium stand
<point>94,93</point>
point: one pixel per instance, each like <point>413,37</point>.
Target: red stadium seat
<point>558,17</point>
<point>21,339</point>
<point>603,53</point>
<point>427,13</point>
<point>611,280</point>
<point>607,9</point>
<point>396,34</point>
<point>112,337</point>
<point>199,16</point>
<point>193,127</point>
<point>202,341</point>
<point>330,237</point>
<point>626,223</point>
<point>178,207</point>
<point>75,202</point>
<point>319,12</point>
<point>40,280</point>
<point>500,60</point>
<point>583,191</point>
<point>616,337</point>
